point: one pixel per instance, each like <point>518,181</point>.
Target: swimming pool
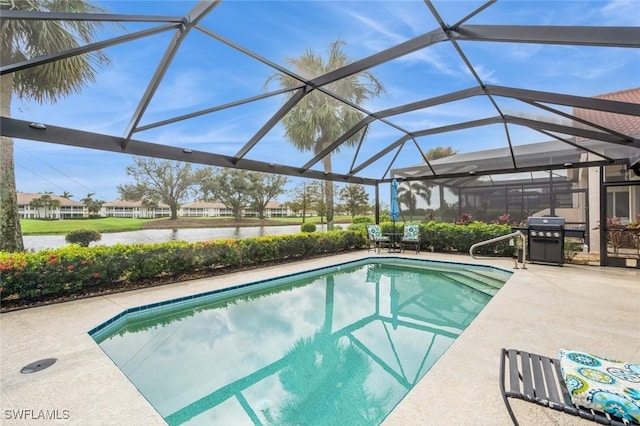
<point>336,345</point>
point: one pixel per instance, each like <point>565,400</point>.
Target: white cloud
<point>622,12</point>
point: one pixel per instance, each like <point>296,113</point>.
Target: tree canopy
<point>264,188</point>
<point>21,40</point>
<point>242,189</point>
<point>93,206</point>
<point>317,120</point>
<point>169,182</point>
<point>355,198</point>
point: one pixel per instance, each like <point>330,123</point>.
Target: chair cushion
<point>375,233</point>
<point>411,232</point>
<point>602,384</point>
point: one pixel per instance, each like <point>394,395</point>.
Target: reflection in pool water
<point>339,345</point>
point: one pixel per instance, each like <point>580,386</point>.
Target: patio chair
<point>539,379</point>
<point>411,236</point>
<point>375,238</point>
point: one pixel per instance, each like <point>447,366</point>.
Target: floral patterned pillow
<point>602,384</point>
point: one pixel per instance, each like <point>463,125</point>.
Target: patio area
<point>540,309</point>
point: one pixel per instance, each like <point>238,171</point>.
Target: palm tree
<point>46,202</point>
<point>318,119</point>
<point>36,204</point>
<point>54,205</point>
<point>408,194</point>
<point>150,205</point>
<point>23,40</point>
<point>88,198</point>
<point>434,154</point>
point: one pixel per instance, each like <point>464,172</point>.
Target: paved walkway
<point>540,309</point>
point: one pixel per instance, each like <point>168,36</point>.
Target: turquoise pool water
<point>340,345</point>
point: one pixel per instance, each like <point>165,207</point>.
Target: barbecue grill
<point>546,239</point>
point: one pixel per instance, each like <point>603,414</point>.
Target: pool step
<point>495,279</point>
<point>487,277</point>
<point>469,281</point>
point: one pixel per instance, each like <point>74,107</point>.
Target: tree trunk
<point>174,211</point>
<point>10,230</point>
<point>328,193</point>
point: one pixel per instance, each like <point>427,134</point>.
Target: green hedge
<point>449,237</point>
<point>48,274</point>
<point>75,269</point>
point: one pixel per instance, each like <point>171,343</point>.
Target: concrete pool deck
<point>540,309</point>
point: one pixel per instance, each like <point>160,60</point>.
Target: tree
<point>317,119</point>
<point>88,198</point>
<point>264,187</point>
<point>149,205</point>
<point>434,154</point>
<point>27,39</point>
<point>356,199</point>
<point>54,204</point>
<point>302,199</point>
<point>408,194</point>
<point>93,206</point>
<point>318,194</point>
<point>230,187</point>
<point>169,182</point>
<point>46,202</point>
<point>36,204</point>
<point>66,195</point>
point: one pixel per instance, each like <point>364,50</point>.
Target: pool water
<point>335,346</point>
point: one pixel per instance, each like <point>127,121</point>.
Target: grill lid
<point>545,222</point>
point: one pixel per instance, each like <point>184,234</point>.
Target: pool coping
<point>92,390</point>
<point>272,281</point>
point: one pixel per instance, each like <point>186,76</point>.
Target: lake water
<point>147,236</point>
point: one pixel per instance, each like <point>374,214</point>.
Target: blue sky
<point>206,73</point>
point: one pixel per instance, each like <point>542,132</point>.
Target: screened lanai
<point>510,87</point>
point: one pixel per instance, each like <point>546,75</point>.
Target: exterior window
<point>618,203</point>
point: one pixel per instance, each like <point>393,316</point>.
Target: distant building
<point>68,209</point>
<point>272,209</point>
<point>134,209</point>
<point>215,209</point>
<point>137,209</point>
<point>204,209</point>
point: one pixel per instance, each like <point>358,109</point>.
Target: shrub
<point>571,250</point>
<point>84,237</point>
<point>464,219</point>
<point>308,227</point>
<point>362,219</point>
<point>74,269</point>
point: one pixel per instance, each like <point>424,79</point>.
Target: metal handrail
<point>516,234</point>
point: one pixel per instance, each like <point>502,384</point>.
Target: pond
<point>147,236</point>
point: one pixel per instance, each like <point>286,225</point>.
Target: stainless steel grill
<point>546,239</point>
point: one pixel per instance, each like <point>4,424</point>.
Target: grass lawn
<point>117,224</point>
<point>106,224</point>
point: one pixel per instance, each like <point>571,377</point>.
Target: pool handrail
<point>516,234</point>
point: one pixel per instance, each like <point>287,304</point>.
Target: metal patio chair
<point>411,237</point>
<point>375,238</point>
<point>538,379</point>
